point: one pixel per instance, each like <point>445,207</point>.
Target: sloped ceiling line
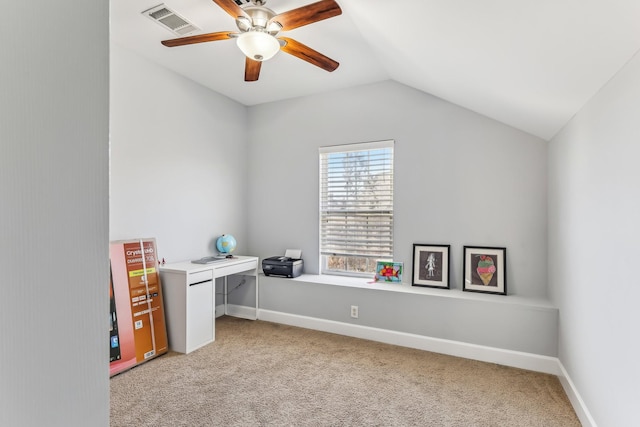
<point>531,65</point>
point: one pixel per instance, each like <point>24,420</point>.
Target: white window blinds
<point>356,200</point>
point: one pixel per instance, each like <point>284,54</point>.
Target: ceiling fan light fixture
<point>243,23</point>
<point>258,45</point>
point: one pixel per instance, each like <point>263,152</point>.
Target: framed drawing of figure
<point>431,265</point>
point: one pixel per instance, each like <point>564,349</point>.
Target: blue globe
<point>226,244</point>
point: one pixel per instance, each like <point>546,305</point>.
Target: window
<point>356,207</point>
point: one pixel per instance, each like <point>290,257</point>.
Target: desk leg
<point>257,296</point>
<point>225,295</point>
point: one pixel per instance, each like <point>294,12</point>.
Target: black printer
<point>282,266</point>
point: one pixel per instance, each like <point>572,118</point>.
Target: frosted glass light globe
<point>258,45</point>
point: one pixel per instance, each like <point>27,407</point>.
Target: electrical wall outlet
<point>354,311</point>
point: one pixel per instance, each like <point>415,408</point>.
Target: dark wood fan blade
<point>200,38</point>
<point>231,8</point>
<point>251,70</point>
<point>308,14</point>
<point>305,53</point>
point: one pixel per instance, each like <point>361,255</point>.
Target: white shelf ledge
<point>365,283</point>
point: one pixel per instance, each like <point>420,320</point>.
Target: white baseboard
<point>516,359</point>
<point>576,400</point>
<point>241,311</point>
<point>219,310</point>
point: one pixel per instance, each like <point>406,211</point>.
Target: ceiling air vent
<point>170,20</point>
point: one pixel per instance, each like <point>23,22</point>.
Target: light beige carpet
<point>264,374</point>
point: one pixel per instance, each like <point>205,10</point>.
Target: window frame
<point>386,228</point>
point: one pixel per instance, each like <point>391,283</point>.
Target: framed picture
<point>485,270</point>
<point>431,265</point>
<point>389,271</point>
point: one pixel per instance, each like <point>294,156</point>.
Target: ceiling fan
<point>258,26</point>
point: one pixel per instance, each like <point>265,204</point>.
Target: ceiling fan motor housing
<point>260,17</point>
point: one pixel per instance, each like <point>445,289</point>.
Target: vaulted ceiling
<point>531,64</point>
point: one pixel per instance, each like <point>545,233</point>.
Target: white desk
<point>189,295</point>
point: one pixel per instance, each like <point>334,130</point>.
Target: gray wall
<point>461,179</point>
<point>54,214</point>
<point>594,232</point>
<point>472,319</point>
<point>178,160</point>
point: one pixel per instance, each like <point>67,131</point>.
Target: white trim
<point>358,146</point>
<point>516,359</point>
<point>219,310</point>
<point>242,311</point>
<point>574,397</point>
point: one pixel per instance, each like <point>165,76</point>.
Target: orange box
<point>137,320</point>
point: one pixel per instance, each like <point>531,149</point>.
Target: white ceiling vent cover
<point>170,20</point>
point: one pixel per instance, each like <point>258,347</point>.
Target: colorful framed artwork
<point>389,271</point>
<point>431,265</point>
<point>485,270</point>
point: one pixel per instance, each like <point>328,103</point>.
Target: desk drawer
<point>226,270</point>
<point>200,276</point>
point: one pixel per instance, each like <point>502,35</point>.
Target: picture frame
<point>389,271</point>
<point>485,270</point>
<point>431,265</point>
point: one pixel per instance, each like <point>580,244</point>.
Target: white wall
<point>54,214</point>
<point>178,160</point>
<point>594,233</point>
<point>460,178</point>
